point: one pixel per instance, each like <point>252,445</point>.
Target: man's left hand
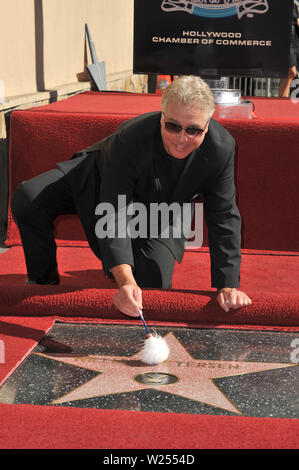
<point>232,298</point>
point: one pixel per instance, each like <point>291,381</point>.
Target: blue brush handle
<point>144,324</point>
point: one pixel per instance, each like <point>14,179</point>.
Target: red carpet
<point>20,335</point>
<point>85,293</point>
<point>75,428</point>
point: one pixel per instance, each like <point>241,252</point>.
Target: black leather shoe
<point>42,282</point>
<point>52,279</point>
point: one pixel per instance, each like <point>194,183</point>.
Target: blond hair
<point>192,91</point>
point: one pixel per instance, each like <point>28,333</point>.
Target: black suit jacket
<point>127,163</point>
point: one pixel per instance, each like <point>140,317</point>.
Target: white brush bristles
<point>155,350</point>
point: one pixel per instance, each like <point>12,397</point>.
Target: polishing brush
<point>155,348</point>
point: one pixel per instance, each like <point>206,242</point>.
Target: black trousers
<point>39,201</point>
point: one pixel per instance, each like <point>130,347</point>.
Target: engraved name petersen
<point>182,364</point>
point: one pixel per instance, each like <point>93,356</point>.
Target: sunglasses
<point>192,131</point>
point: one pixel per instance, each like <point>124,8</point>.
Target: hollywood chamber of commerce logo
<point>217,8</point>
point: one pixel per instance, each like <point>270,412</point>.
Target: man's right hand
<point>128,299</point>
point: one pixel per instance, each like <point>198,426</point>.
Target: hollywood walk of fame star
<point>180,375</point>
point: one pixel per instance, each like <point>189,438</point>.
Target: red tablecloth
<point>136,103</point>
